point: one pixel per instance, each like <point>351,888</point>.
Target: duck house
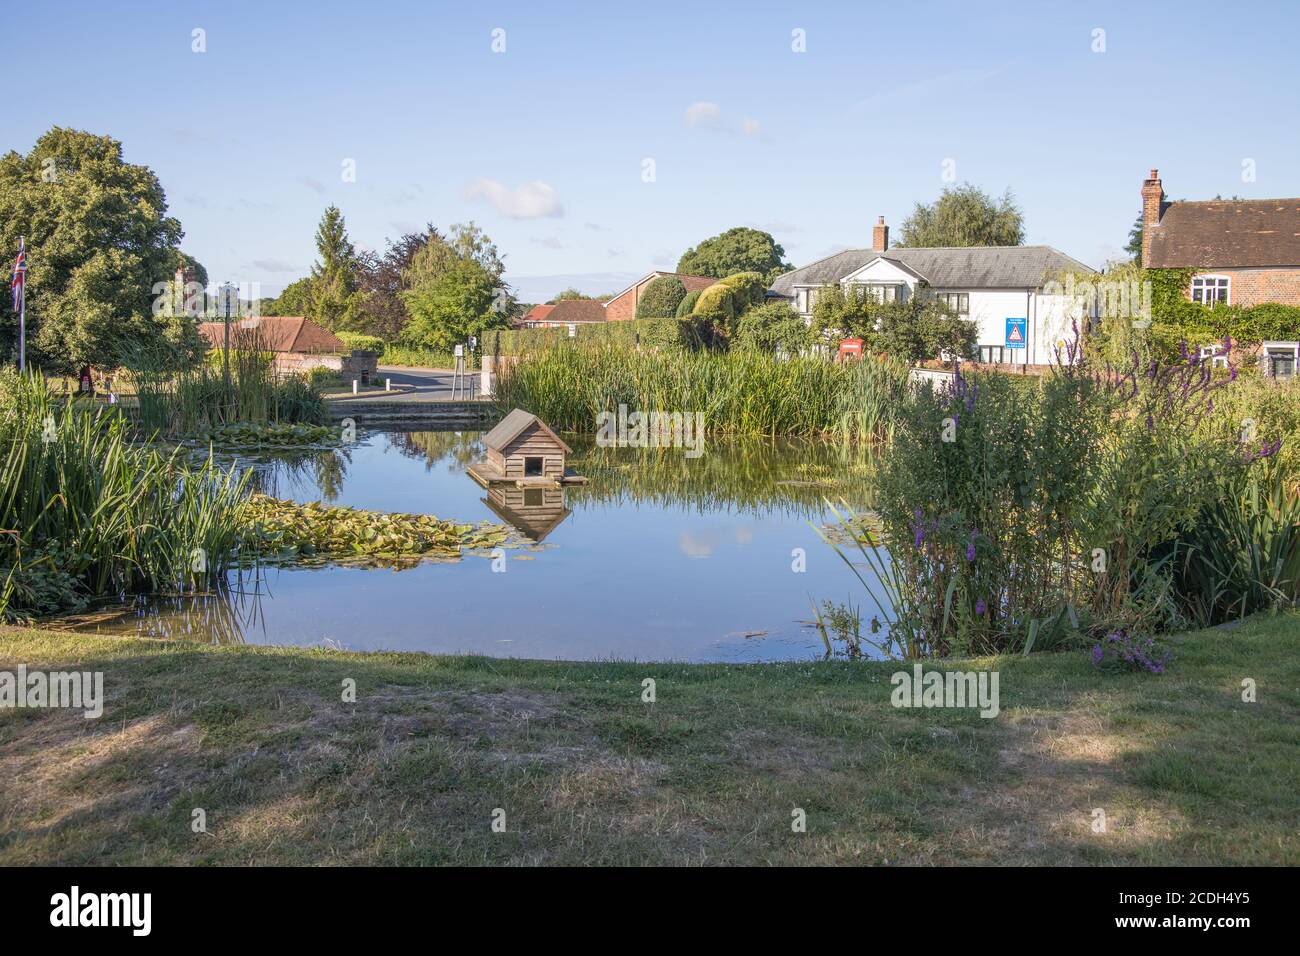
<point>522,450</point>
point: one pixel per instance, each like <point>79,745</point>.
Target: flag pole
<point>22,311</point>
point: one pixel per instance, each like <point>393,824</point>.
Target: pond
<point>658,557</point>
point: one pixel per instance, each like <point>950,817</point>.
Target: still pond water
<point>659,557</point>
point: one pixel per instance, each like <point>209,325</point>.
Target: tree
<point>336,293</point>
<point>915,330</point>
<point>385,280</point>
<point>449,307</point>
<point>567,294</point>
<point>661,298</point>
<point>98,242</point>
<point>465,242</point>
<point>736,250</point>
<point>294,300</point>
<point>964,216</point>
<point>1134,247</point>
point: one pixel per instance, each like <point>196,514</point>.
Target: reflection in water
<point>226,616</point>
<point>657,557</point>
<point>533,512</point>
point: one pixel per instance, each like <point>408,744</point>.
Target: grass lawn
<point>1185,771</point>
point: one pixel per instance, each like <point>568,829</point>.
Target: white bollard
<point>388,385</point>
<point>354,386</point>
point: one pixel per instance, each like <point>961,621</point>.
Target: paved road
<point>423,384</point>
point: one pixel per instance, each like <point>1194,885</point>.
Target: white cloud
<point>703,114</point>
<point>751,127</point>
<point>550,242</point>
<point>530,201</point>
<point>313,184</point>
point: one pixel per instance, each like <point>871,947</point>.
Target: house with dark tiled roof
<point>1007,291</point>
<point>623,306</point>
<point>1242,251</point>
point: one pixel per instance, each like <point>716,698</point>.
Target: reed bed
<point>85,513</point>
<point>203,398</point>
<point>738,393</point>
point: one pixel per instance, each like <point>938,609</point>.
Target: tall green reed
<point>86,513</point>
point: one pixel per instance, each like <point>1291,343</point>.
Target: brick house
<point>296,343</point>
<point>563,313</point>
<point>623,306</point>
<point>1243,251</point>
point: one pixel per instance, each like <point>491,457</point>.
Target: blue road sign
<point>1015,333</point>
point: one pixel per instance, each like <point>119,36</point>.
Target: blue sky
<point>250,137</point>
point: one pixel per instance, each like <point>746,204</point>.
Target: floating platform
<point>487,476</point>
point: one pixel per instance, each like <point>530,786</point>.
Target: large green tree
<point>98,241</point>
<point>449,306</point>
<point>737,250</point>
<point>964,216</point>
<point>337,297</point>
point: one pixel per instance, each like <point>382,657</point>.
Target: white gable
<point>882,270</point>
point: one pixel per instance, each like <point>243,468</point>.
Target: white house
<point>1000,288</point>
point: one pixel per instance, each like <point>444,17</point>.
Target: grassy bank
<point>586,773</point>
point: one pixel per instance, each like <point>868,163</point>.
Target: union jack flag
<point>20,273</point>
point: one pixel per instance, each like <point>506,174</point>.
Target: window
<point>959,302</point>
<point>534,498</point>
<point>880,291</point>
<point>1281,363</point>
<point>991,354</point>
<point>1209,290</point>
<point>532,467</point>
<point>1214,355</point>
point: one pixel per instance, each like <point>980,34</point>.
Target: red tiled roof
<point>577,310</point>
<point>689,283</point>
<point>1227,233</point>
<point>274,333</point>
<point>537,313</point>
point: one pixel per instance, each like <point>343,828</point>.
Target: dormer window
<point>1210,290</point>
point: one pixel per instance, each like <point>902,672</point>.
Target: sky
<point>595,142</point>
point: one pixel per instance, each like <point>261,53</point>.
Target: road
<point>423,384</point>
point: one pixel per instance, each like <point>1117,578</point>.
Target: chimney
<point>880,236</point>
<point>1153,196</point>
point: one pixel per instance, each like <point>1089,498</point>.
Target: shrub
<point>358,340</point>
<point>747,288</point>
<point>661,298</point>
<point>772,327</point>
<point>715,314</point>
<point>687,305</point>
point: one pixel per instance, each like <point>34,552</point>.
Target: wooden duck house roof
<point>514,425</point>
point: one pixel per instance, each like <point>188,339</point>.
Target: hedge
<point>687,305</point>
<point>661,298</point>
<point>654,333</point>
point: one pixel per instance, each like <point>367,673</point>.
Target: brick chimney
<point>879,236</point>
<point>1153,196</point>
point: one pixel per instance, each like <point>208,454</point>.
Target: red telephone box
<point>850,350</point>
